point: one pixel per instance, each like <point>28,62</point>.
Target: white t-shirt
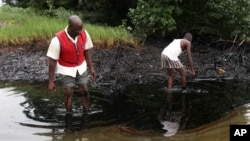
<point>173,50</point>
<point>54,52</point>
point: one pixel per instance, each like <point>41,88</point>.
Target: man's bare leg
<point>183,76</point>
<point>68,94</point>
<point>171,75</point>
<point>85,96</point>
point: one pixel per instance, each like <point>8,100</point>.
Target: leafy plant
<point>225,19</point>
<point>151,17</point>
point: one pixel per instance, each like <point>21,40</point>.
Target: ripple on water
<point>217,130</point>
<point>12,115</point>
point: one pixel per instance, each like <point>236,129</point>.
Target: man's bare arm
<point>187,44</point>
<point>52,68</point>
<point>90,64</point>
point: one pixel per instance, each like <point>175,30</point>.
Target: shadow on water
<point>149,110</point>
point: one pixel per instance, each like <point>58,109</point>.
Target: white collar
<point>72,40</point>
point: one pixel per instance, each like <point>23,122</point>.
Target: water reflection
<point>170,116</point>
<point>74,123</point>
<point>12,115</point>
<point>139,113</point>
<point>246,114</point>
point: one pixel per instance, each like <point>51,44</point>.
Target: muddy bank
<point>119,70</point>
<point>123,66</point>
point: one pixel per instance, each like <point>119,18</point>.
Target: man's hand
<point>51,86</point>
<point>193,74</point>
<point>92,74</point>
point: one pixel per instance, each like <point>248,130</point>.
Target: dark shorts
<point>69,81</point>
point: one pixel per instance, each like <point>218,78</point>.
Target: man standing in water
<point>170,60</point>
<point>69,56</point>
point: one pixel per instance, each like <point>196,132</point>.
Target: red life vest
<point>71,55</point>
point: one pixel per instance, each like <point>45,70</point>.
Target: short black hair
<point>188,36</point>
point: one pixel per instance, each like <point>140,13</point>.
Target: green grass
<point>22,26</point>
<point>109,36</point>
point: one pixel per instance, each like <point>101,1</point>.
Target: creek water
<point>1,3</point>
<point>146,112</point>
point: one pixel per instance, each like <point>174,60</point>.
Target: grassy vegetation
<point>24,26</point>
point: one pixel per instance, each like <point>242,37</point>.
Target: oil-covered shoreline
<point>131,95</point>
<point>117,68</point>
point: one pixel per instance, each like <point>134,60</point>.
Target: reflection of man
<point>85,122</point>
<point>76,123</point>
<point>170,127</point>
<point>171,115</point>
<point>68,123</point>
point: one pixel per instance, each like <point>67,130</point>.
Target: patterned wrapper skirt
<point>167,63</point>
